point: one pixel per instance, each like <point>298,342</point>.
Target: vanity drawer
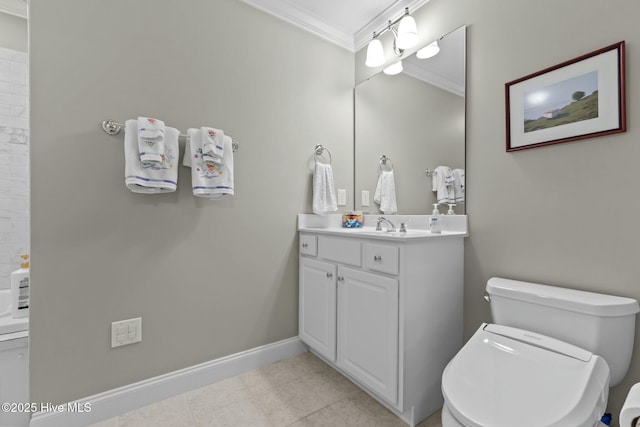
<point>382,258</point>
<point>344,251</point>
<point>308,245</point>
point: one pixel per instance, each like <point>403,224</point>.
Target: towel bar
<point>113,128</point>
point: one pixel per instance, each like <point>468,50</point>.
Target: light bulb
<point>375,54</point>
<point>428,51</point>
<point>393,69</point>
<point>407,33</point>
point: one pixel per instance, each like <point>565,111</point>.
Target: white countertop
<point>386,235</point>
<point>417,226</point>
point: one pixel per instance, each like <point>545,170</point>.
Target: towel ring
<point>319,149</point>
<point>384,160</point>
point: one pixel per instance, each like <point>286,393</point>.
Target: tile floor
<point>301,391</point>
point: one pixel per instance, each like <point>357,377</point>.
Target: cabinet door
<point>14,387</point>
<point>317,317</point>
<point>368,330</point>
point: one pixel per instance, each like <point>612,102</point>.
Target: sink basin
<point>371,231</point>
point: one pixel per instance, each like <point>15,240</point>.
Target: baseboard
<point>123,399</point>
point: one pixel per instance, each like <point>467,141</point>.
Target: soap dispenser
<point>450,211</point>
<point>434,222</point>
<point>20,289</point>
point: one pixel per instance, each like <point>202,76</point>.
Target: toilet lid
<point>505,377</point>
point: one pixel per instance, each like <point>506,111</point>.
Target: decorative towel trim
<point>152,180</point>
<point>201,187</point>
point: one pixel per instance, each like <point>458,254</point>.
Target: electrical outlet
<point>125,332</point>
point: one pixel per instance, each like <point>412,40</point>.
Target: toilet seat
<point>505,377</point>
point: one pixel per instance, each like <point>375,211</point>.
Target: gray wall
<point>13,32</point>
<point>566,214</point>
<point>208,278</point>
<point>416,125</point>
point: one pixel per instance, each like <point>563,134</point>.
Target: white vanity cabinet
<point>386,312</point>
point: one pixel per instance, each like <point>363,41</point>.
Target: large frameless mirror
<point>416,120</point>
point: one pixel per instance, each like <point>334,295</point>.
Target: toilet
<point>547,360</point>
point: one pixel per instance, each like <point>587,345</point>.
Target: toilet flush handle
<point>487,298</point>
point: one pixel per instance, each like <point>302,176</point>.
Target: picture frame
<point>577,99</point>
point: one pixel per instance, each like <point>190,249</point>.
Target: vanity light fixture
<point>375,54</point>
<point>428,51</point>
<point>393,69</point>
<point>407,35</point>
<point>404,37</point>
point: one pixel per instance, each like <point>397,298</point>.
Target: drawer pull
<point>329,275</point>
<point>305,245</point>
<point>377,258</point>
<point>340,279</point>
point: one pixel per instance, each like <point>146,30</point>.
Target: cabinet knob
<point>305,245</point>
<point>340,279</point>
<point>377,258</point>
<point>329,275</point>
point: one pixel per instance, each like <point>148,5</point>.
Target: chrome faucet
<point>382,219</point>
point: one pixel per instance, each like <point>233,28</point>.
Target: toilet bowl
<point>548,359</point>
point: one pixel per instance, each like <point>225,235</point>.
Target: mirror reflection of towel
<point>385,194</point>
<point>443,185</point>
<point>458,184</point>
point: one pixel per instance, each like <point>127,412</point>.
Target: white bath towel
<point>186,158</point>
<point>151,142</point>
<point>458,184</point>
<point>324,193</point>
<point>212,145</point>
<point>442,184</point>
<point>149,180</point>
<point>209,180</point>
<point>385,194</point>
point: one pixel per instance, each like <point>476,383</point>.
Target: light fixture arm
<point>398,52</point>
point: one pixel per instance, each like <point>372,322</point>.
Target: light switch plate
<point>365,198</point>
<point>342,197</point>
<point>125,332</point>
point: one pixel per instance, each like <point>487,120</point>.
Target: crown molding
<point>14,7</point>
<point>431,77</point>
<point>290,12</point>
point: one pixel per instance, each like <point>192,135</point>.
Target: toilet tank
<point>602,324</point>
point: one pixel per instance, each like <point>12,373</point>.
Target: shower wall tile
<point>14,161</point>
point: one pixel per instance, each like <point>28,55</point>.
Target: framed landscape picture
<point>580,98</point>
